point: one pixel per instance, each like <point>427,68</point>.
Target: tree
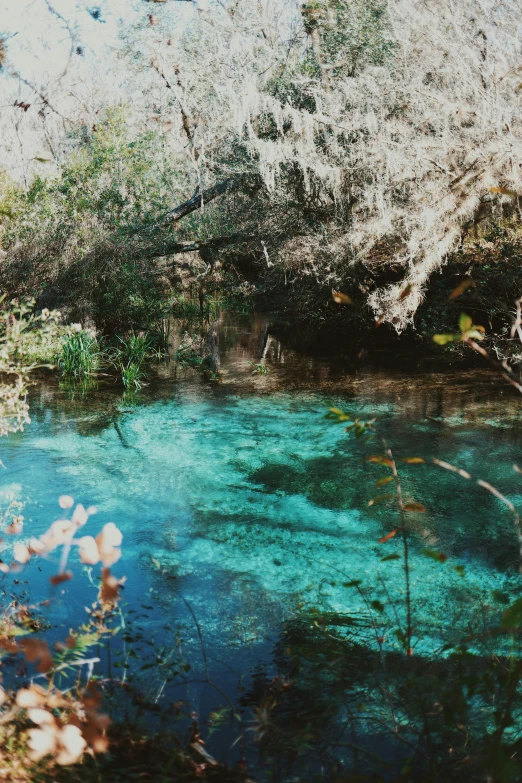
<point>379,131</point>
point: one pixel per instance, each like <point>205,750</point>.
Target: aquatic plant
<point>129,354</point>
<point>132,375</point>
<point>79,355</point>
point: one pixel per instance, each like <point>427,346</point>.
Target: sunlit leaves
<point>505,191</point>
<point>468,331</point>
<point>380,460</point>
<point>465,322</point>
<point>413,460</point>
<point>382,481</point>
<point>461,288</point>
<point>337,414</point>
<point>414,507</point>
<point>380,498</point>
<point>390,535</point>
<point>444,339</point>
<point>340,298</point>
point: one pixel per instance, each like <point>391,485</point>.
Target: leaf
<point>460,570</point>
<point>390,557</point>
<point>417,507</point>
<point>477,333</point>
<point>459,290</point>
<point>512,617</point>
<point>338,414</point>
<point>439,557</point>
<point>383,481</point>
<point>505,191</point>
<point>378,460</point>
<point>413,460</point>
<point>353,583</point>
<point>377,606</point>
<point>500,597</point>
<point>380,498</point>
<point>340,298</point>
<point>388,536</point>
<point>444,339</point>
<point>59,578</point>
<point>405,292</point>
<point>156,564</point>
<point>465,322</point>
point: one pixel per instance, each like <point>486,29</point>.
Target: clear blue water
<point>242,498</point>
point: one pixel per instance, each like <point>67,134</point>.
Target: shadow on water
<point>240,497</point>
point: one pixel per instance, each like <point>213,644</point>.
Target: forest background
<point>275,151</point>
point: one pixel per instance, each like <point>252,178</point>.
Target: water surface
<point>240,501</point>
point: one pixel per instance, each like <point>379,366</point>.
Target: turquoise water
<point>244,500</point>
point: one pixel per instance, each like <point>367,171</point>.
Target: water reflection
<point>242,499</point>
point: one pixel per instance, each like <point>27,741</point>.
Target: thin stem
<point>405,546</point>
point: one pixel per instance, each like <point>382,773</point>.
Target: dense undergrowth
<point>92,241</point>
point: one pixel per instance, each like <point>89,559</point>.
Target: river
<point>245,513</point>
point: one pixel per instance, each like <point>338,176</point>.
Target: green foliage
<point>129,355</point>
<point>77,239</point>
<point>259,368</point>
<point>353,34</point>
<point>79,355</point>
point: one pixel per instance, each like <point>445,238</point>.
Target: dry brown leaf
<point>388,536</point>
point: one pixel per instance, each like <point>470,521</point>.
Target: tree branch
<point>198,245</point>
<point>199,199</point>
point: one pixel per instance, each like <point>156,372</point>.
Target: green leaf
<point>383,481</point>
<point>439,557</point>
<point>337,414</point>
<point>390,557</point>
<point>460,570</point>
<point>353,583</point>
<point>512,617</point>
<point>465,322</point>
<point>500,597</point>
<point>377,606</point>
<point>444,339</point>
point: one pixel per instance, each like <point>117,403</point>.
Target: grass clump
<point>80,354</point>
<point>129,355</point>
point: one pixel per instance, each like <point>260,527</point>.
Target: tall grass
<point>79,355</point>
<point>129,355</point>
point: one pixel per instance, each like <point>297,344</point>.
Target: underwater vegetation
<point>304,597</point>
